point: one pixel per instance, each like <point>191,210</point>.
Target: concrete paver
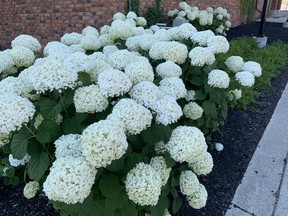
<point>282,205</point>
<point>234,211</point>
<point>261,184</point>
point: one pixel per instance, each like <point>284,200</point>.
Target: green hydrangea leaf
<point>19,146</point>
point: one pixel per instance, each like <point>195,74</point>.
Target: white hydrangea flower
<point>121,29</point>
<point>78,62</point>
<point>184,31</point>
<point>14,112</point>
<point>253,67</point>
<point>219,147</point>
<point>234,63</point>
<point>186,144</point>
<point>4,138</point>
<point>103,142</point>
<point>168,110</point>
<point>218,79</point>
<point>71,38</point>
<point>131,15</point>
<point>209,10</point>
<point>203,164</point>
<point>53,75</point>
<point>236,93</point>
<point>106,39</point>
<point>199,198</point>
<point>188,182</point>
<point>90,99</point>
<point>135,117</point>
<point>154,28</point>
<point>141,21</point>
<point>139,31</point>
<point>143,185</point>
<point>191,16</point>
<point>70,180</point>
<point>172,50</point>
<point>105,29</point>
<point>107,50</point>
<point>97,66</point>
<point>55,47</point>
<point>77,48</point>
<point>218,44</point>
<point>68,145</point>
<point>168,69</point>
<point>160,147</point>
<point>202,37</point>
<point>182,14</point>
<point>119,15</point>
<point>6,61</point>
<point>193,111</point>
<point>228,24</point>
<point>38,120</point>
<point>245,78</point>
<point>120,59</point>
<point>14,85</point>
<point>159,165</point>
<point>190,95</point>
<point>172,13</point>
<point>26,41</point>
<point>90,42</point>
<point>114,83</point>
<point>30,189</point>
<point>90,30</point>
<point>133,43</point>
<point>97,56</point>
<point>203,21</point>
<point>139,71</point>
<point>173,86</point>
<point>15,162</point>
<point>183,6</point>
<point>22,56</point>
<point>145,93</point>
<point>201,56</point>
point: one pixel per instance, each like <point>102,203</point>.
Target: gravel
<point>240,136</point>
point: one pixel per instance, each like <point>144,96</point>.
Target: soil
<point>240,136</point>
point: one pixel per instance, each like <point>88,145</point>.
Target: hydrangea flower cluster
<point>159,165</point>
<point>103,142</point>
<point>90,99</point>
<point>14,112</point>
<point>26,41</point>
<point>218,79</point>
<point>194,191</point>
<point>203,165</point>
<point>68,145</point>
<point>186,144</point>
<point>15,162</point>
<point>216,19</point>
<point>143,185</point>
<point>70,180</point>
<point>135,117</point>
<point>193,111</point>
<point>30,189</point>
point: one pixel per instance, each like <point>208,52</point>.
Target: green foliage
<point>135,7</point>
<point>154,13</point>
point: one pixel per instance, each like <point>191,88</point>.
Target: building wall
<point>48,20</point>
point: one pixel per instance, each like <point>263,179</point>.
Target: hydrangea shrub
<point>100,121</point>
<point>216,20</point>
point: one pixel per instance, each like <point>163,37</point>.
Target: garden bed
<point>240,136</point>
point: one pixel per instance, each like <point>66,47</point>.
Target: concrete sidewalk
<point>264,187</point>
